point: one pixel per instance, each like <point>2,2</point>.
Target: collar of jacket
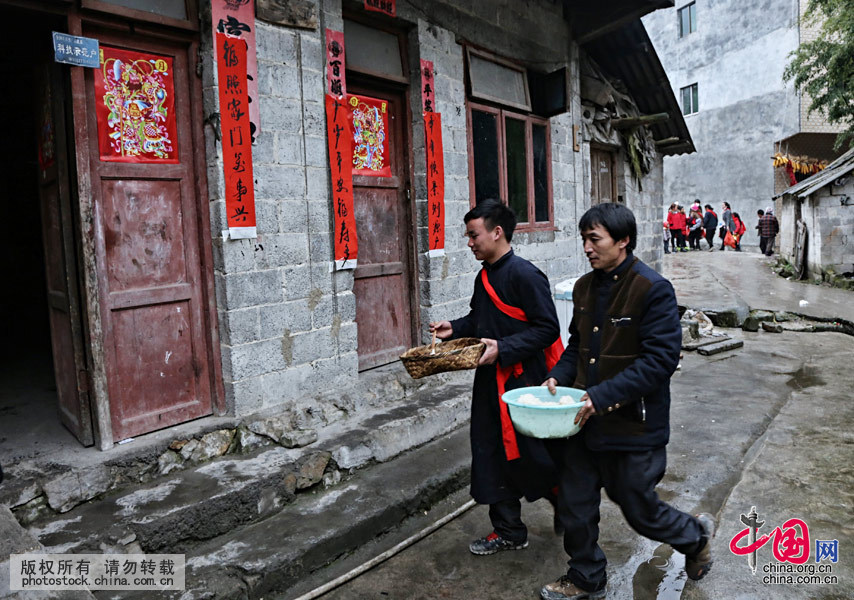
<point>618,272</point>
<point>497,264</point>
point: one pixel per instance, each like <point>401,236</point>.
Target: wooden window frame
<point>501,114</point>
<point>694,89</point>
<point>611,152</point>
<point>488,56</point>
<point>191,23</point>
<point>691,7</point>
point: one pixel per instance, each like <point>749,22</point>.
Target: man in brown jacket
<point>624,345</point>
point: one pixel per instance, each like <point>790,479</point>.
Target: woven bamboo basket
<point>454,355</point>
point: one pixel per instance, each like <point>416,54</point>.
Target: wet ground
<point>770,425</point>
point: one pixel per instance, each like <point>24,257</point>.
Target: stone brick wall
<point>287,321</point>
<point>815,122</point>
<point>830,243</point>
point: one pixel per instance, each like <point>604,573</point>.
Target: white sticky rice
<point>532,400</point>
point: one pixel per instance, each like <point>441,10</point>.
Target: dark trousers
<point>768,250</point>
<point>694,239</point>
<point>506,518</point>
<point>674,239</point>
<point>629,478</point>
<point>710,238</point>
<point>678,237</point>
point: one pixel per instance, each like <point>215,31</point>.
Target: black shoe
<point>494,543</point>
<point>699,564</point>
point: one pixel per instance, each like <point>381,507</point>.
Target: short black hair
<point>760,212</point>
<point>494,212</point>
<point>618,220</point>
<point>727,205</point>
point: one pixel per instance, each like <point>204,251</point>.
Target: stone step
<point>719,347</point>
<point>273,554</point>
<point>176,512</point>
<point>14,539</point>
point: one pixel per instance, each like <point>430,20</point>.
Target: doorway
<point>36,303</point>
<point>383,282</point>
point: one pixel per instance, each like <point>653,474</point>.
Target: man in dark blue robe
<point>506,465</point>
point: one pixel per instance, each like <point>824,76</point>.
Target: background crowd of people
<point>680,227</point>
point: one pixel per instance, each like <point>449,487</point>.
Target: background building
<point>725,61</point>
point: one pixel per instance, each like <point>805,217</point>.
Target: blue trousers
<point>629,478</point>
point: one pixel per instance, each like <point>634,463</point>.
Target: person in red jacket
<point>671,223</point>
<point>740,228</point>
<point>680,221</point>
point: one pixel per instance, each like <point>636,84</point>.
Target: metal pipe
<point>353,573</point>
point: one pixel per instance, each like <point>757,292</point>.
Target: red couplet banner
<point>237,19</point>
<point>435,183</point>
<point>335,82</point>
<point>369,125</point>
<point>341,167</point>
<point>236,137</point>
<point>135,107</point>
<point>428,91</point>
<point>387,7</point>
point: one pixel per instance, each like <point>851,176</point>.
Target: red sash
<point>502,374</point>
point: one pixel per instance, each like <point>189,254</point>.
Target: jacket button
<point>592,361</point>
<point>595,329</point>
<point>617,405</point>
<point>610,408</point>
<point>615,278</point>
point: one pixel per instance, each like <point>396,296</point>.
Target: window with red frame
<point>510,159</point>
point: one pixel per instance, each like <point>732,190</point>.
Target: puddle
<point>805,377</point>
<point>662,577</point>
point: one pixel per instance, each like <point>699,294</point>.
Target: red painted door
<point>63,299</point>
<point>385,296</point>
<point>147,248</point>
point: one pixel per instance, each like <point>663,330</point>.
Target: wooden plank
<point>720,347</point>
<point>704,341</point>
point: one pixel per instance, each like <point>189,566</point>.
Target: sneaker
<point>494,543</point>
<point>564,589</point>
<point>698,565</point>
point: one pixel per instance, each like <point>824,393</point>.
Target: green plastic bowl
<point>545,422</point>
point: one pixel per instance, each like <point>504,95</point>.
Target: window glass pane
<point>686,101</point>
<point>485,147</point>
<point>517,171</point>
<point>497,82</point>
<point>606,180</point>
<point>541,173</point>
<point>693,16</point>
<point>695,105</point>
<point>371,49</point>
<point>167,8</point>
<point>683,22</point>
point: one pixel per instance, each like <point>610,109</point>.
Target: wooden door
<point>385,292</point>
<point>602,177</point>
<point>147,249</point>
<point>58,238</point>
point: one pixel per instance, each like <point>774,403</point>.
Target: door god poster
<point>135,107</point>
<point>369,124</point>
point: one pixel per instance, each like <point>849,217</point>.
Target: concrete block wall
<point>446,282</point>
<point>737,57</point>
<point>287,322</point>
<point>830,244</point>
